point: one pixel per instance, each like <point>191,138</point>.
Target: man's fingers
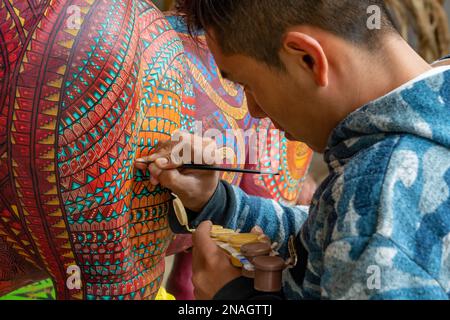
<point>173,180</point>
<point>173,154</point>
<point>140,164</point>
<point>162,150</point>
<point>157,161</point>
<point>257,230</point>
<point>155,171</point>
<point>202,241</point>
<point>169,162</point>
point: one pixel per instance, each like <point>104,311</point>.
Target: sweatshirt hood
<point>420,107</point>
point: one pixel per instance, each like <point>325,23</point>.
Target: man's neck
<point>363,77</point>
<point>396,64</point>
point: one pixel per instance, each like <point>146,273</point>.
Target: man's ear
<point>309,53</point>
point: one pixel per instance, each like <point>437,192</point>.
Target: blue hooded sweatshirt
<point>379,226</point>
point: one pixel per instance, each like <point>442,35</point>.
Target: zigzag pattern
<point>120,87</point>
<point>33,140</point>
<point>85,105</point>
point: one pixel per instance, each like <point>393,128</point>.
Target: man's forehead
<point>229,65</point>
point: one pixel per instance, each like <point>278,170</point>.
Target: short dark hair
<point>255,27</point>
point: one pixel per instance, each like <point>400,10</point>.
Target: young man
<point>379,226</point>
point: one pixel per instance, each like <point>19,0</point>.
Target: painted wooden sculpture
<point>80,100</point>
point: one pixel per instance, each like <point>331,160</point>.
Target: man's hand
<point>309,189</point>
<point>194,187</point>
<point>211,267</point>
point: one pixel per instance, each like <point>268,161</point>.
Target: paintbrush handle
<point>222,169</point>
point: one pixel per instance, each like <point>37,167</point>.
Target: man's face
<point>283,96</point>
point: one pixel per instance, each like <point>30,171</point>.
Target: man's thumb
<point>202,238</point>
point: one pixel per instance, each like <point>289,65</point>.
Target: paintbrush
<point>204,167</point>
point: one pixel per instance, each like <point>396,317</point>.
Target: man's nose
<point>253,107</point>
